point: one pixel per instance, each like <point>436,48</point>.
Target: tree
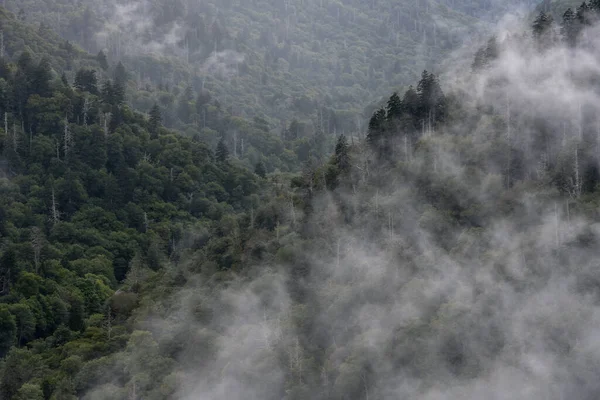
<point>102,60</point>
<point>260,169</point>
<point>8,270</point>
<point>107,92</point>
<point>394,107</point>
<point>37,243</point>
<point>485,55</point>
<point>20,365</point>
<point>120,74</point>
<point>40,80</point>
<point>411,102</point>
<point>29,391</point>
<point>375,135</point>
<point>293,131</point>
<point>8,330</point>
<point>64,80</point>
<point>25,321</point>
<point>568,29</point>
<point>582,14</point>
<point>432,102</point>
<point>155,120</point>
<point>542,29</point>
<point>222,153</point>
<point>86,80</point>
<point>342,158</point>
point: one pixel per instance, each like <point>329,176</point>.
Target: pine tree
<point>394,107</point>
<point>107,92</point>
<point>542,30</point>
<point>485,55</point>
<point>155,120</point>
<point>342,158</point>
<point>86,81</point>
<point>568,29</point>
<point>542,24</point>
<point>479,61</point>
<point>431,101</point>
<point>411,102</point>
<point>294,130</point>
<point>40,79</point>
<point>118,92</point>
<point>222,153</point>
<point>375,135</point>
<point>120,74</point>
<point>491,50</point>
<point>260,170</point>
<point>583,15</point>
<point>102,60</point>
<point>64,80</point>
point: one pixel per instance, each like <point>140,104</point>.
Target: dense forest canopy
<point>318,61</point>
<point>160,239</point>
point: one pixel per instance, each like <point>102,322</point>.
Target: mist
<point>201,212</point>
<point>402,302</point>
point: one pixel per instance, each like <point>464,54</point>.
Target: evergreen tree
<point>542,30</point>
<point>342,158</point>
<point>394,107</point>
<point>8,330</point>
<point>485,55</point>
<point>40,80</point>
<point>411,102</point>
<point>118,93</point>
<point>120,74</point>
<point>583,14</point>
<point>542,24</point>
<point>86,81</point>
<point>260,170</point>
<point>432,102</point>
<point>107,92</point>
<point>102,60</point>
<point>479,61</point>
<point>375,135</point>
<point>294,130</point>
<point>112,94</point>
<point>155,119</point>
<point>568,28</point>
<point>222,153</point>
<point>491,50</point>
<point>64,79</point>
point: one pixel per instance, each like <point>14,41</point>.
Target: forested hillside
<point>320,62</point>
<point>449,251</point>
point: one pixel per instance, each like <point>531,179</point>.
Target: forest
<point>311,63</point>
<point>167,233</point>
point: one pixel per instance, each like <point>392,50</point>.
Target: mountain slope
<point>451,254</point>
<point>318,61</point>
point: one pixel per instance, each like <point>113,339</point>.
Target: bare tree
<point>54,213</point>
<point>37,243</point>
<point>108,322</point>
<point>67,138</point>
<point>87,105</point>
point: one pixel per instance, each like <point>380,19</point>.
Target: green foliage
<point>222,153</point>
<point>110,220</point>
<point>30,392</point>
<point>8,330</point>
<point>318,72</point>
<point>99,197</point>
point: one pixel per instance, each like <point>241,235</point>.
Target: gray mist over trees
<point>452,253</point>
<point>489,292</point>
